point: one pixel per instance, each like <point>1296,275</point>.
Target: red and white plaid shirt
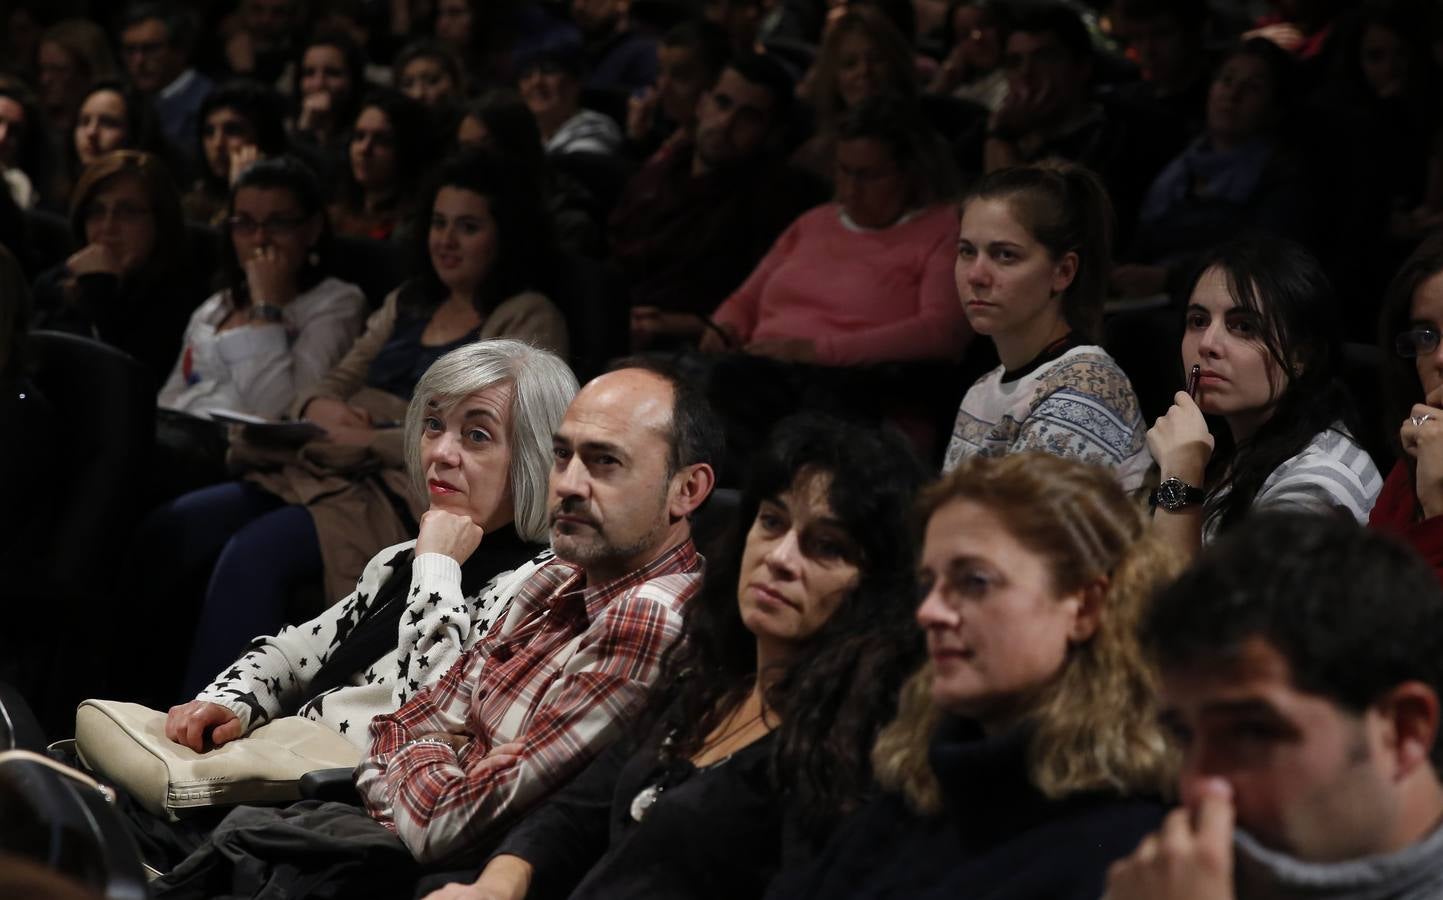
<point>559,673</point>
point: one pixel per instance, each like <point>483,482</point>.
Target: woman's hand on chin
<point>449,534</point>
<point>1422,439</point>
<point>1180,441</point>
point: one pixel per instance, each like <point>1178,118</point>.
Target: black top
<point>403,359</point>
<point>998,836</point>
<point>714,832</point>
<point>143,319</point>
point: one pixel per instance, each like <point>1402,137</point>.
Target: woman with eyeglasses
<point>1411,502</point>
<point>1026,754</point>
<point>280,323</point>
<point>132,283</point>
<point>1261,333</point>
<point>485,243</point>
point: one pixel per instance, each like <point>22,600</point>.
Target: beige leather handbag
<point>125,743</point>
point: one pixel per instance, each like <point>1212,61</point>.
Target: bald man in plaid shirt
<point>556,678</point>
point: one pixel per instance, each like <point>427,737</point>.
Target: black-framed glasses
<point>245,226</point>
<point>1416,342</point>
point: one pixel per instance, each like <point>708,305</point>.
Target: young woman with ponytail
<point>1033,249</point>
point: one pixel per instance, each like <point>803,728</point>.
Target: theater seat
<point>19,729</point>
<point>106,402</point>
<point>67,826</point>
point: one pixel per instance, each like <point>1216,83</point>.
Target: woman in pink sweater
<point>867,278</point>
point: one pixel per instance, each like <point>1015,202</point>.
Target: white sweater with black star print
<point>439,624</point>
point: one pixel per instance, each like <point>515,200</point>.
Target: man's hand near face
<point>1189,858</point>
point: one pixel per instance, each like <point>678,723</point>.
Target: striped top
<point>1079,405</point>
<point>1331,473</point>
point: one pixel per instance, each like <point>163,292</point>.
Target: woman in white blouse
<point>279,324</point>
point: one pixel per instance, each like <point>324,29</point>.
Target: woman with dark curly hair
<point>1026,755</point>
<point>240,122</point>
<point>761,724</point>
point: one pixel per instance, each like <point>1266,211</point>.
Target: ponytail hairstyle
<point>1285,286</point>
<point>1094,726</point>
<point>1066,209</point>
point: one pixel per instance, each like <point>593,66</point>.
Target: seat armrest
<point>334,785</point>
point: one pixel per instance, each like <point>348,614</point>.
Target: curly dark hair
<point>1286,287</point>
<point>842,685</point>
<point>1353,611</point>
<point>259,104</point>
<point>526,250</point>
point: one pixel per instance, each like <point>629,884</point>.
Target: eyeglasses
<point>280,226</point>
<point>1416,342</point>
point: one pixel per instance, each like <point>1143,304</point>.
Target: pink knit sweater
<point>862,296</point>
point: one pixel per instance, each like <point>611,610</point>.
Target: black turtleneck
<point>375,634</point>
<point>998,837</point>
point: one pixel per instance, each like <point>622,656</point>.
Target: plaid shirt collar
<point>680,559</point>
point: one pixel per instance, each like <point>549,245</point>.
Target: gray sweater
<point>1413,873</point>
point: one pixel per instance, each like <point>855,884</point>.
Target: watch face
<point>1172,494</point>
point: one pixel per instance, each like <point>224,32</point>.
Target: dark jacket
<point>998,838</point>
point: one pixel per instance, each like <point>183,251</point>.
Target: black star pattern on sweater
<point>416,616</point>
<point>414,685</point>
<point>370,677</point>
<point>415,590</point>
<point>249,700</point>
<point>424,663</point>
<point>232,675</point>
<point>303,662</point>
<point>316,630</point>
<point>435,598</point>
<point>345,724</point>
<point>276,686</point>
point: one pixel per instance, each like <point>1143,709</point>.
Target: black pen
<point>1192,380</point>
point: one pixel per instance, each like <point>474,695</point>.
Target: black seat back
<point>68,827</point>
<point>87,381</point>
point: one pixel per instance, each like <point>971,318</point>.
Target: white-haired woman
<point>478,448</point>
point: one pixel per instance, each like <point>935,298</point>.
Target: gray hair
<point>542,388</point>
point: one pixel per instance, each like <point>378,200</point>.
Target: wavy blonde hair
<point>1095,724</point>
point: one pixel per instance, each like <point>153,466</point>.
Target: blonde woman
<point>1025,756</point>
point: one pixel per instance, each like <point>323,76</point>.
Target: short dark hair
<point>766,72</point>
<point>259,104</point>
<point>1352,611</point>
<point>696,434</point>
<point>1062,22</point>
<point>180,24</point>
